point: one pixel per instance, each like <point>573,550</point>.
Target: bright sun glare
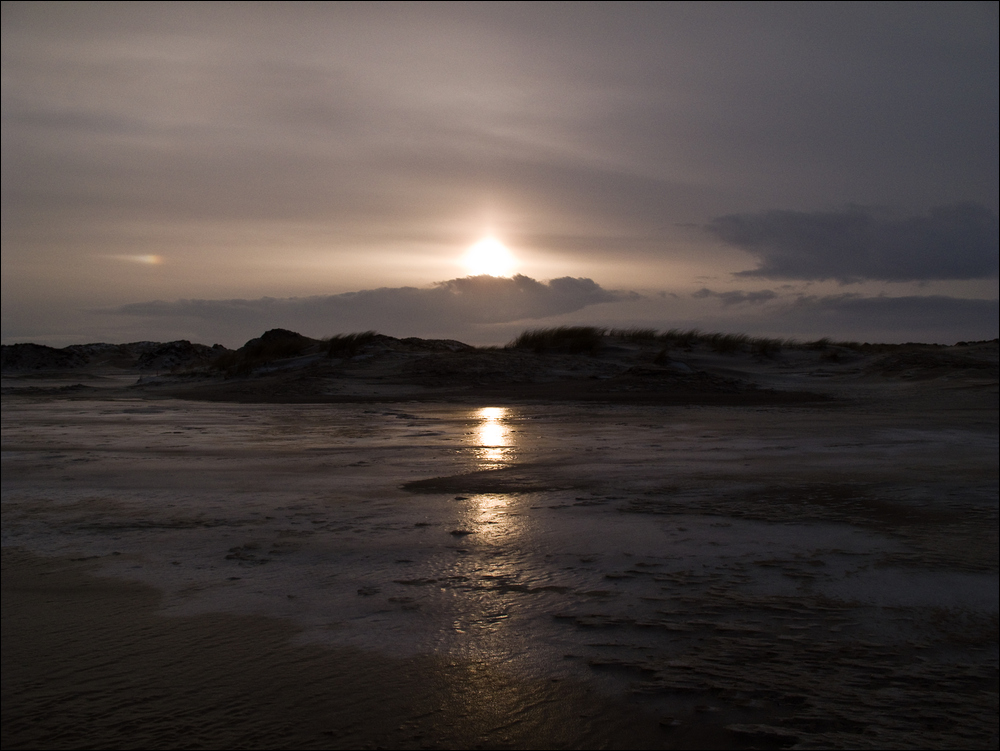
<point>489,256</point>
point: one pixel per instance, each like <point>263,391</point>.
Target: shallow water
<point>639,549</point>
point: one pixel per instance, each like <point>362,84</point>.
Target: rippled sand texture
<point>770,576</point>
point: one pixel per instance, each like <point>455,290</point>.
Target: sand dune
<point>621,367</point>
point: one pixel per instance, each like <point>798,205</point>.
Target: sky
<point>207,171</point>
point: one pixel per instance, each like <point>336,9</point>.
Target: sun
<point>489,256</point>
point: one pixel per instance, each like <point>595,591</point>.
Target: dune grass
<point>682,339</point>
<point>574,339</point>
<point>725,343</point>
<point>278,344</point>
<point>635,334</point>
<point>590,338</point>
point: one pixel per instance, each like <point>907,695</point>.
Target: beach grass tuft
<point>574,339</point>
<point>635,334</point>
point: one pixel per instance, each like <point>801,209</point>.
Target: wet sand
<point>88,662</point>
<point>515,574</point>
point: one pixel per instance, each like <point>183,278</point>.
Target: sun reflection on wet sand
<point>493,449</point>
<point>495,525</point>
<point>490,516</point>
<point>494,442</point>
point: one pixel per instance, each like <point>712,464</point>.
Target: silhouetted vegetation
<point>767,347</point>
<point>727,343</point>
<point>348,345</point>
<point>635,334</point>
<point>724,343</point>
<point>589,338</point>
<point>572,339</point>
<point>682,339</point>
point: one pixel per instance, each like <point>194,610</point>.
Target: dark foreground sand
<point>88,663</point>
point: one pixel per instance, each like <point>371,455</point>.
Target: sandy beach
<point>89,662</point>
<point>812,566</point>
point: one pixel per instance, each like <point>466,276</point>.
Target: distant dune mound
<point>273,347</point>
<point>568,363</point>
<point>564,363</point>
<point>138,356</point>
<point>28,357</point>
<point>930,363</point>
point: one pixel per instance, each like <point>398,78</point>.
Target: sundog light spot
<point>150,260</point>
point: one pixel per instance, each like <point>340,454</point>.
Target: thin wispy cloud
<point>737,296</point>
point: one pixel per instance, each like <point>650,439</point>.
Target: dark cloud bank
<point>948,242</point>
<point>448,308</point>
<point>490,310</point>
<point>926,318</point>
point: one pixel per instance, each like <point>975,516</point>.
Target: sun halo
<point>491,257</point>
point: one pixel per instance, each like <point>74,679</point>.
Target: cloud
<point>927,318</point>
<point>921,318</point>
<point>854,316</point>
<point>959,241</point>
<point>738,296</point>
<point>447,308</point>
<point>909,309</point>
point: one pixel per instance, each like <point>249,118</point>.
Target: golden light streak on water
<point>493,436</point>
